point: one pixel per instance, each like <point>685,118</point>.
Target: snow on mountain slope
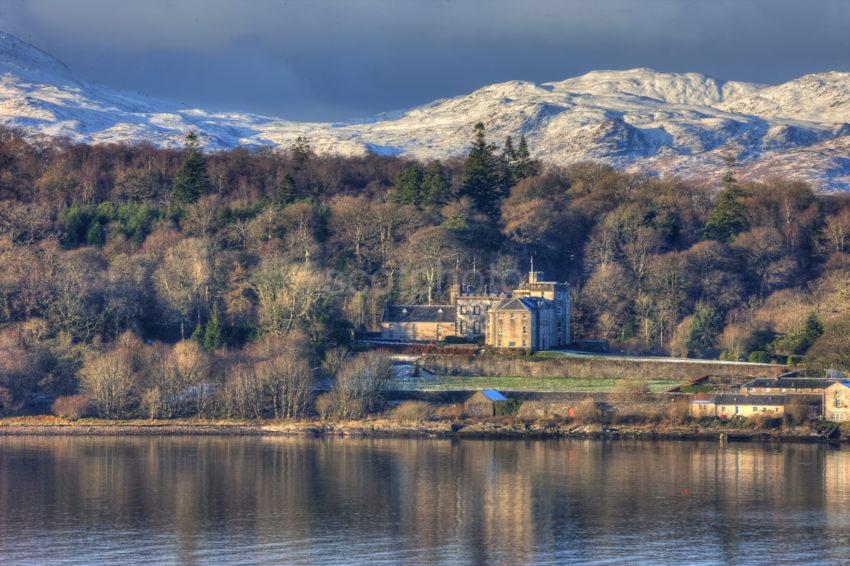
<point>822,97</point>
<point>639,119</point>
<point>690,89</point>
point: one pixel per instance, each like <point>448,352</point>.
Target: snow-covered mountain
<point>639,119</point>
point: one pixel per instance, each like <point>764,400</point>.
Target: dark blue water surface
<point>202,500</point>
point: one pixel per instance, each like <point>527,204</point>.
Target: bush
<point>359,385</point>
<point>411,411</point>
<point>633,391</point>
<point>796,412</point>
<point>507,408</point>
<point>324,405</point>
<point>764,421</point>
<point>588,412</point>
<point>794,360</point>
<point>679,411</point>
<point>71,407</point>
<point>453,411</point>
<point>759,357</point>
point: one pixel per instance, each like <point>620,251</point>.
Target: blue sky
<point>339,59</point>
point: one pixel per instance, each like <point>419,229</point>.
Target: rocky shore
<point>409,429</point>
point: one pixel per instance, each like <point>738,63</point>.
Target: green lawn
<point>543,384</point>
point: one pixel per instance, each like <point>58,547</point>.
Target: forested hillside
<point>112,254</point>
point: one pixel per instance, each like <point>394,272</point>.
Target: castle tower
<point>532,275</point>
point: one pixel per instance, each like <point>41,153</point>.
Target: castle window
<point>463,309</point>
<point>476,310</point>
<point>476,327</point>
<point>463,328</point>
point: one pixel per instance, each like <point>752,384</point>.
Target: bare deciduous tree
<point>359,385</point>
<point>108,380</point>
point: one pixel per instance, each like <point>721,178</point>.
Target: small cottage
<point>483,403</point>
<point>731,406</point>
<point>703,408</point>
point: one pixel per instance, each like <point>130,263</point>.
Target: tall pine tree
<point>706,326</point>
<point>436,189</point>
<point>285,191</point>
<point>214,332</point>
<point>507,162</point>
<point>191,180</point>
<point>482,180</point>
<point>301,150</point>
<point>523,165</point>
<point>407,186</point>
<point>427,188</point>
<point>728,218</point>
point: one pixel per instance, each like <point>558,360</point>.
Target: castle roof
<point>420,313</point>
<point>529,304</point>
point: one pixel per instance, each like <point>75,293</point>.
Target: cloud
<point>336,59</point>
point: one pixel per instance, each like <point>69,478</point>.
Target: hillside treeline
<point>115,256</point>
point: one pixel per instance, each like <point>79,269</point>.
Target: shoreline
<point>414,429</point>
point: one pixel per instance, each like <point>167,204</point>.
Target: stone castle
<point>535,316</point>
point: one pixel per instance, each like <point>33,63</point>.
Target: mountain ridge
<point>639,119</point>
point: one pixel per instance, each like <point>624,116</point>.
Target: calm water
<point>305,501</point>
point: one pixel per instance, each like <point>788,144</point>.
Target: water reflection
<point>306,501</point>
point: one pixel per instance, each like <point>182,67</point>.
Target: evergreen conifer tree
<point>482,180</point>
<point>523,165</point>
<point>508,163</point>
<point>509,152</point>
<point>95,235</point>
<point>214,333</point>
<point>301,150</point>
<point>285,191</point>
<point>727,219</point>
<point>706,325</point>
<point>407,186</point>
<point>197,334</point>
<point>191,180</point>
<point>436,189</point>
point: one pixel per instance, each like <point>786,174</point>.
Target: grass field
<point>539,384</point>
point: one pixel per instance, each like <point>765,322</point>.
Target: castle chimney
<point>454,293</point>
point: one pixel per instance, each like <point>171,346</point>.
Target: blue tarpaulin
<point>494,395</point>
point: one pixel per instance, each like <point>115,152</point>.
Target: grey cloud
<point>338,59</point>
